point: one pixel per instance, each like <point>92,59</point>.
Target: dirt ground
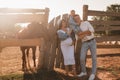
<point>108,62</point>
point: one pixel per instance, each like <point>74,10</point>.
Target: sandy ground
<point>11,59</point>
<point>108,62</point>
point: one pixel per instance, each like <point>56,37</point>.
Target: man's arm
<point>88,32</point>
<point>85,33</point>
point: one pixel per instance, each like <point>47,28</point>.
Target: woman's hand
<point>69,31</point>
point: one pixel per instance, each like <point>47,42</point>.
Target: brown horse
<point>33,30</point>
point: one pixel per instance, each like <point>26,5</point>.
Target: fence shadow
<point>58,74</point>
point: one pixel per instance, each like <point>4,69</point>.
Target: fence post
<point>53,28</point>
<point>0,62</point>
<point>46,16</point>
<point>41,54</point>
<point>85,12</point>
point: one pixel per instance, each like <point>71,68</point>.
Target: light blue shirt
<point>73,25</point>
<point>62,35</point>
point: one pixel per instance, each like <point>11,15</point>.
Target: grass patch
<point>110,69</point>
<point>12,77</point>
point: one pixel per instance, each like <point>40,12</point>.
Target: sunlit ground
<point>108,62</point>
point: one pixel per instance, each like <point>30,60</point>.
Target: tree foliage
<point>111,8</point>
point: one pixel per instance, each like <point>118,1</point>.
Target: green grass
<point>12,77</point>
<point>110,69</point>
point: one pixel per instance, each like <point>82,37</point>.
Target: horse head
<point>33,30</point>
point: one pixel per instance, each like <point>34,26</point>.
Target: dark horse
<point>33,30</point>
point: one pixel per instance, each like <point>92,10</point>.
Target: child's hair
<point>72,11</point>
<point>76,16</point>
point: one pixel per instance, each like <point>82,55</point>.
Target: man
<point>86,33</point>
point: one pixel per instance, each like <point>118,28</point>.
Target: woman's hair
<point>60,24</point>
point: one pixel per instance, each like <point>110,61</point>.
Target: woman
<point>67,47</point>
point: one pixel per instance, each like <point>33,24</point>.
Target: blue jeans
<point>84,48</point>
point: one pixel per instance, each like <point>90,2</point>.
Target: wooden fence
<point>19,42</point>
<point>55,59</point>
<point>104,25</point>
<point>47,44</point>
<point>14,16</point>
<point>50,52</point>
<point>101,40</point>
<point>23,15</point>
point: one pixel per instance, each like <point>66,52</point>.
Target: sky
<point>59,7</point>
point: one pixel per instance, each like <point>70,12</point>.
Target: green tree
<point>114,8</point>
<point>111,8</point>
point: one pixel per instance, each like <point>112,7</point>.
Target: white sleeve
<point>90,27</point>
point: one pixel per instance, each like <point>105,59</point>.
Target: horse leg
<point>34,55</point>
<point>23,58</point>
<point>27,53</point>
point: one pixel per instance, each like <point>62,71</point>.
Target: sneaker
<point>92,77</point>
<point>82,74</point>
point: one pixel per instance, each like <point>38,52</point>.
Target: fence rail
<point>102,13</point>
<point>14,10</point>
<point>14,16</point>
<point>50,53</point>
<point>19,42</point>
<point>107,38</point>
<point>105,22</point>
<point>105,26</point>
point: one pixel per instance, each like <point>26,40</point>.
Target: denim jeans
<point>88,45</point>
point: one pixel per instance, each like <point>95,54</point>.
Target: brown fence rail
<point>14,16</point>
<point>50,50</point>
<point>105,26</point>
<point>19,42</point>
<point>101,39</point>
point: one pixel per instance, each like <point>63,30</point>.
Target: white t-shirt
<point>84,26</point>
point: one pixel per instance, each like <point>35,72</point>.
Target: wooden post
<point>46,16</point>
<point>41,54</point>
<point>54,42</point>
<point>57,63</point>
<point>85,12</point>
<point>0,61</point>
<point>53,54</point>
<point>44,55</point>
<point>47,54</point>
<point>77,54</point>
